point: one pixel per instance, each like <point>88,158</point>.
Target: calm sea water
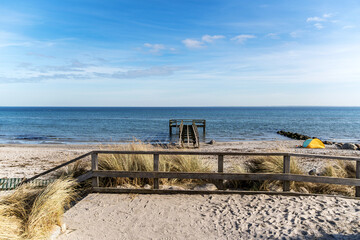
<point>94,125</point>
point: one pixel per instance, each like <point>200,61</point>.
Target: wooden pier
<point>187,130</point>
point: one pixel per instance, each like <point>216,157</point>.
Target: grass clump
<point>73,170</point>
<point>10,225</point>
<point>32,213</point>
<point>341,169</point>
<point>271,164</point>
<point>144,162</point>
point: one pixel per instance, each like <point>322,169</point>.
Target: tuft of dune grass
<point>32,213</point>
<point>73,170</point>
<point>338,169</point>
<point>271,164</point>
<point>10,225</point>
<point>144,162</point>
<point>49,206</point>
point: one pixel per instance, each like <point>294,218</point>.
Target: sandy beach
<point>106,216</point>
<point>124,216</point>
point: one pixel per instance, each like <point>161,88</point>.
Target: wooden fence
<point>286,176</point>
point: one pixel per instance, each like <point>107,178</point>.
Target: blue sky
<point>179,53</point>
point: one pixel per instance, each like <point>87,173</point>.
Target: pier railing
<point>220,175</point>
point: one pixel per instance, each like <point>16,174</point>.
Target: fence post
<point>94,167</point>
<point>221,170</point>
<point>286,169</point>
<point>357,189</point>
<point>156,168</point>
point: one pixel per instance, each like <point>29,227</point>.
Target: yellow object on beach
<point>313,143</point>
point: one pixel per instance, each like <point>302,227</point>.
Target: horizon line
<point>280,106</point>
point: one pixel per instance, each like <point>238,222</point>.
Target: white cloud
<point>318,26</point>
<point>273,35</point>
<point>320,20</point>
<point>328,15</point>
<point>192,43</point>
<point>348,27</point>
<point>208,38</point>
<point>242,38</point>
<point>77,70</point>
<point>315,19</point>
<point>154,48</point>
<point>296,34</point>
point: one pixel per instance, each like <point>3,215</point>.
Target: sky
<point>180,53</point>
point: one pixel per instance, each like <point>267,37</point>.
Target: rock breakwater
<point>298,136</point>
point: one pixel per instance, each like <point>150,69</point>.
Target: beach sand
<point>106,216</point>
<point>114,216</point>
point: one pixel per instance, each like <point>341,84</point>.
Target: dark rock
<point>206,187</point>
<point>339,145</point>
<point>212,142</point>
<point>328,143</point>
<point>350,146</point>
<point>358,146</point>
<point>312,171</point>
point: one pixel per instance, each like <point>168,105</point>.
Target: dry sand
<point>106,216</point>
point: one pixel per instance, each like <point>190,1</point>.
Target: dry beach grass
<point>32,213</point>
<point>338,169</point>
<point>144,162</point>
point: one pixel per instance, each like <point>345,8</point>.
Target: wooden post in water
<point>286,169</point>
<point>156,168</point>
<point>94,167</point>
<point>204,131</point>
<point>170,128</point>
<point>221,170</point>
<point>357,189</point>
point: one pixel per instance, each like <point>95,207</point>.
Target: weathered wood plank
<point>57,167</point>
<point>94,167</point>
<point>231,176</point>
<point>221,170</point>
<point>357,189</point>
<point>168,191</point>
<point>191,153</point>
<point>230,154</point>
<point>156,168</point>
<point>220,163</point>
<point>84,177</point>
<point>286,170</point>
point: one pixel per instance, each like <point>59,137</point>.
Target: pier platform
<point>187,131</point>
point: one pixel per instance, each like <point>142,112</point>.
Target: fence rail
<point>285,176</point>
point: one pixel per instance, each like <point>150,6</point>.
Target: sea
<point>107,125</point>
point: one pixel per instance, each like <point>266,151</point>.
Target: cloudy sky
<point>179,53</point>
